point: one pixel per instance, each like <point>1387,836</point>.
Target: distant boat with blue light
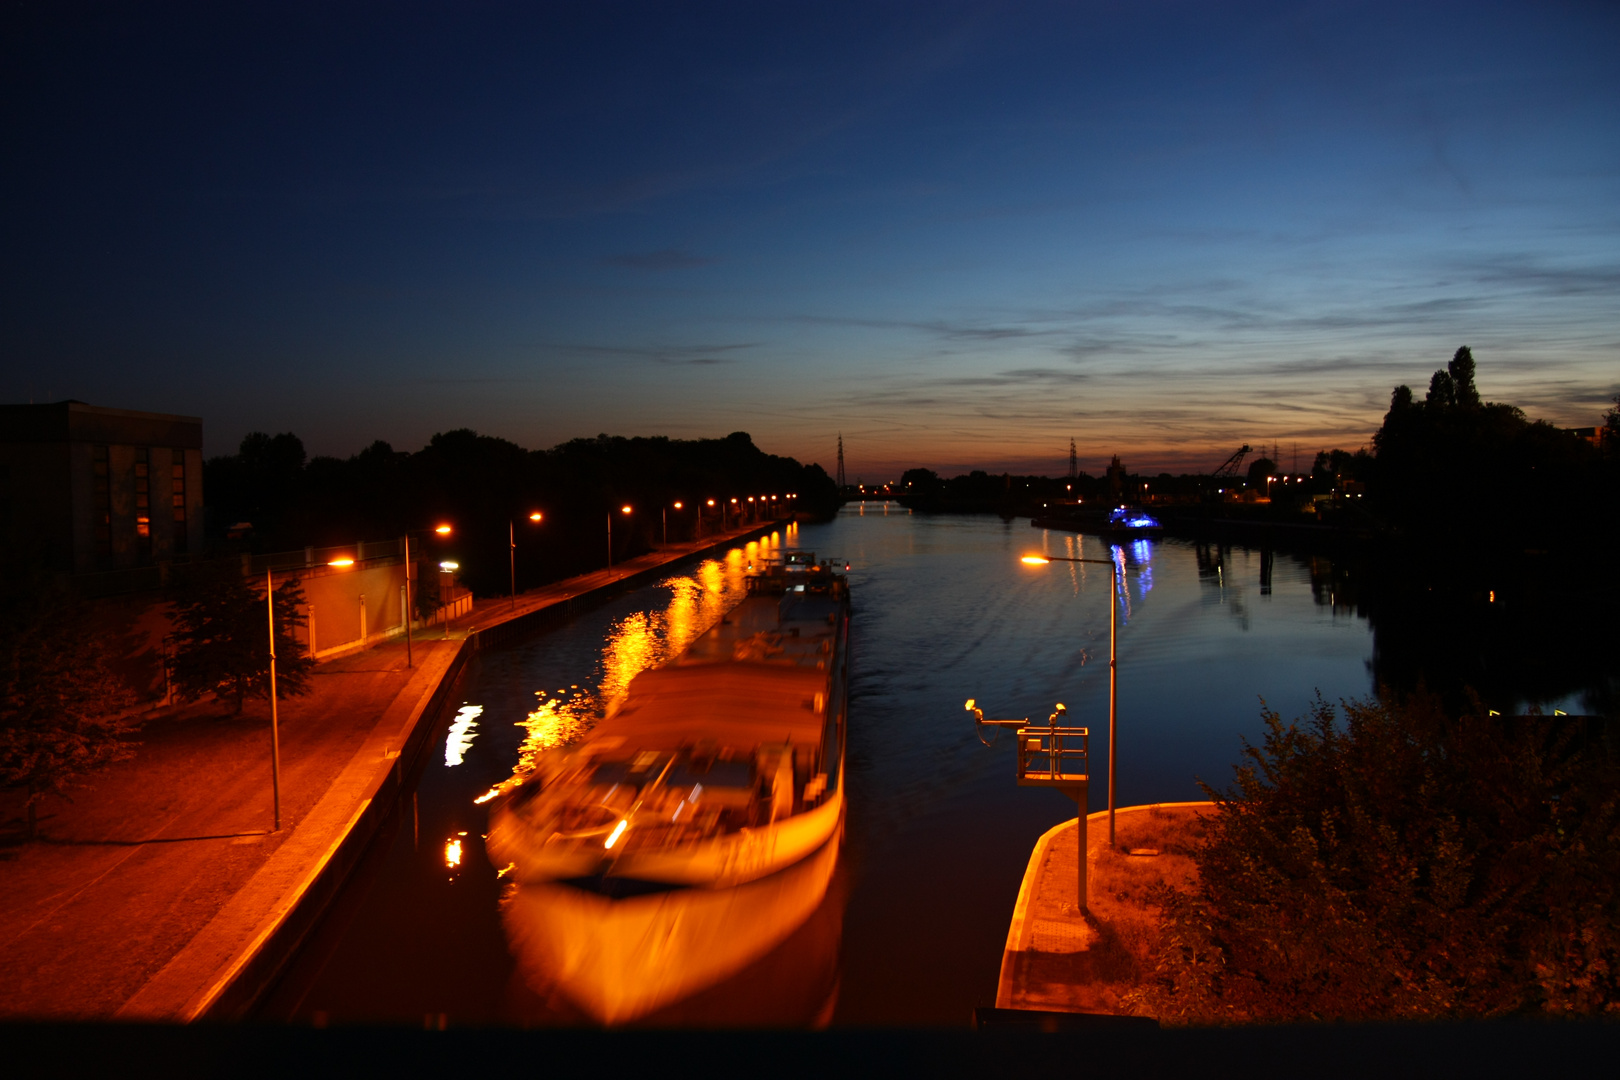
<point>1133,520</point>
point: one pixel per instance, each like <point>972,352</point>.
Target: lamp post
<point>1113,664</point>
<point>511,543</point>
<point>439,530</point>
<point>700,519</point>
<point>622,510</point>
<point>275,727</point>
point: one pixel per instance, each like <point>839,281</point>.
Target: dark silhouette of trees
<point>1403,863</point>
<point>1454,468</point>
<point>479,484</point>
<point>61,706</point>
<point>1461,372</point>
<point>222,637</point>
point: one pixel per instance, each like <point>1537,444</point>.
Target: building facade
<point>84,489</point>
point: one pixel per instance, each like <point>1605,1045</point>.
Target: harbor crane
<point>1228,469</point>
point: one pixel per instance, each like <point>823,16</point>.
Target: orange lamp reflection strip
<point>618,831</point>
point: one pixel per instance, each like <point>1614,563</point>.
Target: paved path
<point>147,888</point>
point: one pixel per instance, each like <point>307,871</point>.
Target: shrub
<point>1402,864</point>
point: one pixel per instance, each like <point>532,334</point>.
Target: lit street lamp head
<point>624,509</point>
<point>341,563</point>
<point>536,516</point>
<point>443,530</point>
<point>1034,560</point>
<point>680,506</point>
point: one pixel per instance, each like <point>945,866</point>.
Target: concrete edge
<point>1018,928</point>
<point>368,770</point>
<point>205,999</point>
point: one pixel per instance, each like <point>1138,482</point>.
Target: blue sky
<point>958,234</point>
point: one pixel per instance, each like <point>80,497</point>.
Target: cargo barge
<point>699,823</point>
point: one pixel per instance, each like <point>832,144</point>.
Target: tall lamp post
<point>622,510</point>
<point>1113,663</point>
<point>511,543</point>
<point>275,727</point>
<point>439,530</point>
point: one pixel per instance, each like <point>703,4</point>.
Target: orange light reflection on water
<point>635,643</point>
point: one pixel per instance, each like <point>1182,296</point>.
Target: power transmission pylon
<point>841,484</point>
<point>1074,462</point>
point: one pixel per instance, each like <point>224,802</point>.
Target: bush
<point>60,704</point>
<point>1402,864</point>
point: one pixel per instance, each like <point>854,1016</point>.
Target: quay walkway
<point>162,893</point>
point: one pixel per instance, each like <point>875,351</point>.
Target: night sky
<point>958,234</point>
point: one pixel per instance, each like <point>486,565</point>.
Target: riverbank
<point>1057,961</point>
<point>159,892</point>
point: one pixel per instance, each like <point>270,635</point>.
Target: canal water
<point>937,832</point>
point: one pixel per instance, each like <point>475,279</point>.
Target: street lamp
<point>441,530</point>
<point>275,727</point>
<point>1113,663</point>
<point>511,543</point>
<point>622,510</point>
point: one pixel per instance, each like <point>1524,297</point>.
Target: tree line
<point>480,484</point>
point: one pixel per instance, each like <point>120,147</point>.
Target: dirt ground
<point>1072,966</point>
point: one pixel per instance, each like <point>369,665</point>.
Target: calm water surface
<point>938,833</point>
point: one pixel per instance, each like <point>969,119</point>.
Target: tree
<point>1442,391</point>
<point>61,707</point>
<point>221,634</point>
<point>1461,372</point>
<point>1403,863</point>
